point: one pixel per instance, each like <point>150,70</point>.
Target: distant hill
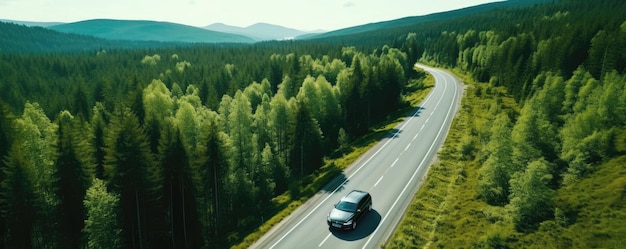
<point>19,38</point>
<point>259,31</point>
<point>148,31</point>
<point>32,24</point>
<point>416,20</point>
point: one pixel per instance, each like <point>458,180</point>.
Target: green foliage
<point>531,197</point>
<point>588,132</point>
<point>543,210</point>
<point>306,153</point>
<point>495,239</point>
<point>73,177</point>
<point>192,136</point>
<point>102,229</point>
<point>19,201</point>
<point>495,173</point>
<point>38,40</point>
<point>6,129</point>
<point>36,138</point>
<point>131,173</point>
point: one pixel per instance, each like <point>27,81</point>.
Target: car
<point>349,210</point>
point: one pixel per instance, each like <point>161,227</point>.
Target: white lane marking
<point>394,162</point>
<point>323,241</point>
<point>340,185</point>
<point>379,179</point>
<point>432,145</point>
<point>414,115</point>
<point>407,146</point>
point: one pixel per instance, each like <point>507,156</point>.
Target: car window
<point>346,206</point>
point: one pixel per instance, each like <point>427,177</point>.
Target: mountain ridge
<point>32,23</point>
<point>144,30</point>
<point>416,20</point>
<point>260,31</point>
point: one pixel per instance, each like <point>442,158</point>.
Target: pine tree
<point>6,130</point>
<point>96,138</point>
<point>73,180</point>
<point>307,151</point>
<point>178,195</point>
<point>497,170</point>
<point>18,200</point>
<point>129,167</point>
<point>531,196</point>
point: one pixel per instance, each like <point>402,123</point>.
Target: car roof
<point>354,196</point>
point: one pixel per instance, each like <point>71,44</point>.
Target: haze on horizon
<point>305,15</point>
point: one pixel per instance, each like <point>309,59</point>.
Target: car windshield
<point>346,206</point>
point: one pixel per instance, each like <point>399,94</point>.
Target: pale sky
<point>306,15</point>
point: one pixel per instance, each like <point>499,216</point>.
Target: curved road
<point>391,171</point>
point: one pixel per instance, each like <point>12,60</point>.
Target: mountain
<point>148,31</point>
<point>19,38</point>
<point>32,24</point>
<point>259,31</point>
<point>412,21</point>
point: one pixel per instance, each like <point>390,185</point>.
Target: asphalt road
<point>392,171</point>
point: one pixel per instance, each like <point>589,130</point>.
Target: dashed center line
<point>379,179</point>
<point>394,162</point>
<point>327,236</point>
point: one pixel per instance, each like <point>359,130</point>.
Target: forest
<point>184,145</point>
<point>536,157</point>
<point>176,147</point>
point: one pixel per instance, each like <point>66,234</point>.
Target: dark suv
<point>349,210</point>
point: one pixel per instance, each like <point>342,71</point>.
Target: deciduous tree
<point>102,230</point>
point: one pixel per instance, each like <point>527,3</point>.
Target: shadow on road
<point>364,228</point>
<point>417,112</point>
<point>393,133</point>
<point>336,183</point>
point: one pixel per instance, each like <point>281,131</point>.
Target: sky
<point>305,15</point>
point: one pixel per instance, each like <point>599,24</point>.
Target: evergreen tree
<point>245,153</point>
<point>281,126</point>
<point>129,167</point>
<point>81,103</point>
<point>321,100</point>
<point>262,120</point>
<point>6,141</point>
<point>96,138</point>
<point>206,174</point>
<point>413,52</point>
<point>158,106</point>
<point>307,151</point>
<point>73,179</point>
<point>496,171</point>
<point>531,197</point>
<point>240,126</point>
<point>18,200</point>
<point>587,134</point>
<point>178,195</point>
